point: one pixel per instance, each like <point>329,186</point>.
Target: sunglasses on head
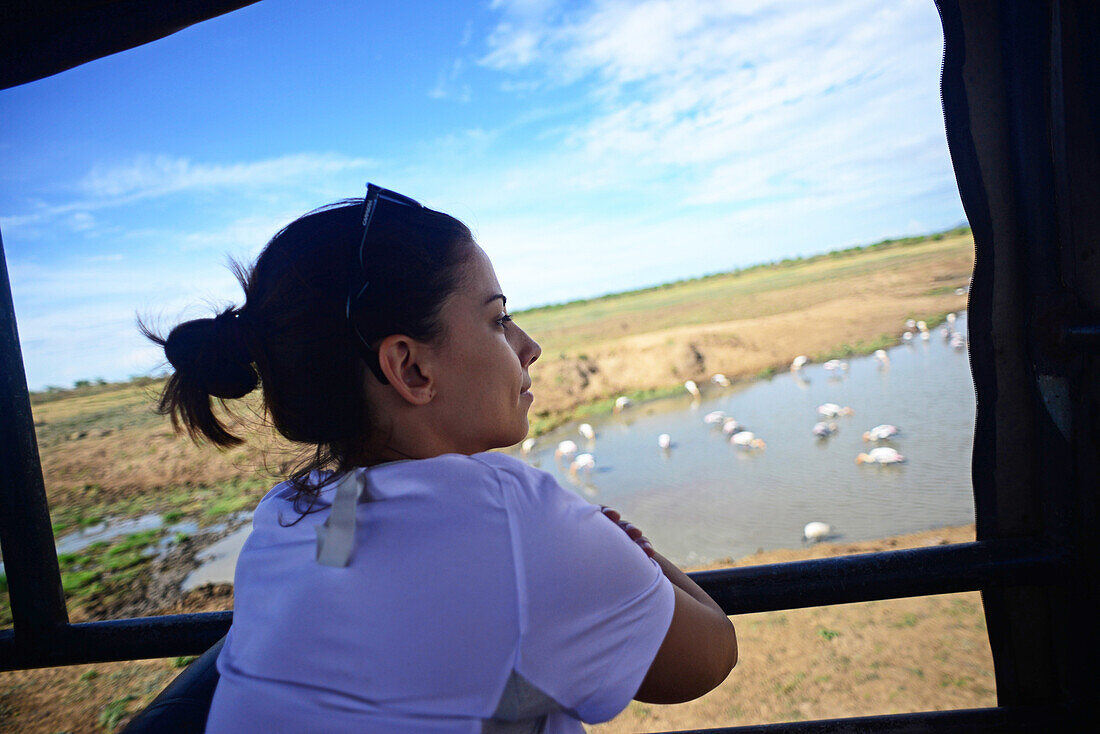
<point>377,198</point>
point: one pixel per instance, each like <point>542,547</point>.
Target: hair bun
<point>212,354</point>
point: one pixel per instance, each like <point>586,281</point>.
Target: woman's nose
<point>530,350</point>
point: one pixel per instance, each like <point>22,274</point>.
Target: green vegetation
<point>883,341</point>
<point>114,712</point>
<point>237,494</point>
<point>90,387</point>
<point>909,620</point>
<point>828,634</point>
<point>103,573</point>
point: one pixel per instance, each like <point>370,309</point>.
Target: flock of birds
<point>581,464</point>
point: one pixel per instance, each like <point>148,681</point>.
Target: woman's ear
<point>404,362</point>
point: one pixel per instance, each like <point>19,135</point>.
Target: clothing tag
<point>336,537</point>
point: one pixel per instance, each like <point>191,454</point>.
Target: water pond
<point>704,499</point>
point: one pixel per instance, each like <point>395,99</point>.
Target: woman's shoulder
<point>513,470</point>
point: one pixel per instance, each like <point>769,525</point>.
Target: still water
<point>705,499</point>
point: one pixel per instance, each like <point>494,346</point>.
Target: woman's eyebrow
<point>495,296</point>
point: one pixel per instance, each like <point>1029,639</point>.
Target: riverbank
<point>900,655</point>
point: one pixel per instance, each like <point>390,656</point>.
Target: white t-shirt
<point>480,597</point>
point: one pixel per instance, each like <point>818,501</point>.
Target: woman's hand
<point>632,532</point>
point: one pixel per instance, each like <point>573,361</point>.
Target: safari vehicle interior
<point>1021,101</point>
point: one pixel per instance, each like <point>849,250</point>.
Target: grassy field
<point>106,454</point>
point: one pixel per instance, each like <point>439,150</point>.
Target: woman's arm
<point>700,647</point>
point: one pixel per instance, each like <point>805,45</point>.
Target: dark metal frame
<point>1021,93</point>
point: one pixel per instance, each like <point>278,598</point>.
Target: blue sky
<point>591,146</point>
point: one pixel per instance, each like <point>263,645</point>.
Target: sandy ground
<point>847,660</point>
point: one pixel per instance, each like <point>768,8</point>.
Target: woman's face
<point>483,386</point>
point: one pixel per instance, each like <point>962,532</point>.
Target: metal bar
<point>893,574</point>
<point>26,535</point>
<point>1002,720</point>
<point>122,639</point>
<point>866,577</point>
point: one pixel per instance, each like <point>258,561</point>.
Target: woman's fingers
<point>632,531</point>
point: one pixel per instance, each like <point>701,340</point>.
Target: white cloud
<point>145,177</point>
<point>736,104</point>
<point>448,87</point>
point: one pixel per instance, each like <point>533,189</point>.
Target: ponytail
<point>211,359</point>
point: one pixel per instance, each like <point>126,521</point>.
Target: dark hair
<point>292,335</point>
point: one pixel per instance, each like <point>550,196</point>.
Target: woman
<point>405,580</point>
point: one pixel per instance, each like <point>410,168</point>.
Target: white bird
<point>527,445</point>
<point>586,430</point>
<point>960,291</point>
<point>832,410</point>
<point>945,332</point>
<point>880,455</point>
<point>566,449</point>
<point>799,362</point>
<point>664,440</point>
<point>692,388</point>
<point>907,336</point>
<point>958,341</point>
<point>732,426</point>
<point>748,440</point>
<point>720,379</point>
<point>832,365</point>
<point>882,357</point>
<point>925,336</point>
<point>714,417</point>
<point>910,324</point>
<point>881,432</point>
<point>583,462</point>
<point>815,531</point>
<point>951,318</point>
<point>622,402</point>
<point>922,326</point>
<point>821,430</point>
